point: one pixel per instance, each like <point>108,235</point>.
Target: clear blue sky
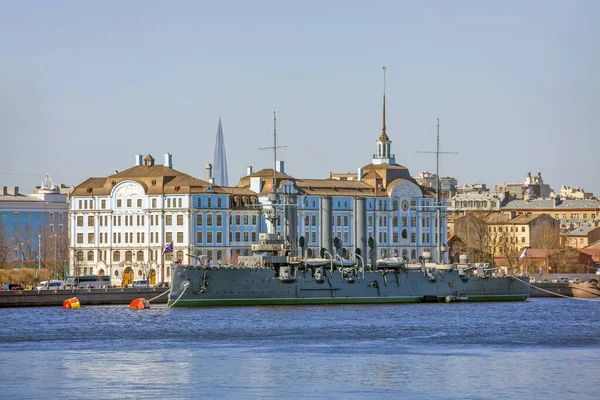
<point>86,85</point>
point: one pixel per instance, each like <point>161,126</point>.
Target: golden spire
<point>384,136</point>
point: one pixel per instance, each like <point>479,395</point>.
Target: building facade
<point>119,224</point>
<point>33,227</point>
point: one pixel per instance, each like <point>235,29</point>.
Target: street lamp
<point>55,259</point>
<point>39,254</point>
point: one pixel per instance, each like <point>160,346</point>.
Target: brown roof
<point>384,174</point>
<point>384,137</point>
<point>155,179</point>
<point>498,218</point>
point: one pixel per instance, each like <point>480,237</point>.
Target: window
<point>237,236</point>
<point>345,220</point>
<point>254,236</point>
<point>27,217</point>
<point>90,256</point>
<point>90,220</point>
<point>395,205</point>
<point>168,220</point>
<point>116,255</point>
<point>219,220</point>
<point>118,202</point>
<point>199,237</point>
<point>168,203</point>
<point>219,203</point>
<point>314,220</point>
<point>306,220</point>
<point>245,220</point>
<point>179,220</point>
<point>209,201</point>
<point>128,256</point>
<point>179,237</point>
<point>209,218</point>
<point>395,237</point>
<point>80,220</point>
<point>413,237</point>
<point>80,238</point>
<point>90,238</point>
<point>80,256</point>
<point>338,220</point>
<point>199,219</point>
<point>245,236</point>
<point>209,237</point>
<point>219,237</point>
<point>198,202</point>
<point>413,221</point>
<point>370,221</point>
<point>180,255</point>
<point>254,220</point>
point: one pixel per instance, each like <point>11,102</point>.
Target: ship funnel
<point>426,256</point>
<point>463,259</point>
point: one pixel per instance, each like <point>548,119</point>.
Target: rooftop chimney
<point>208,172</point>
<point>138,159</point>
<point>249,170</point>
<point>168,160</point>
<point>280,166</point>
<point>360,174</point>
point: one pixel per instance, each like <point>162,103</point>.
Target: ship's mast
<point>438,195</point>
<point>438,191</point>
<point>273,196</point>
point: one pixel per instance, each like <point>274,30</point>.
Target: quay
<point>87,297</point>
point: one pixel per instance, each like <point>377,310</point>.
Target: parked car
<point>575,280</point>
<point>41,286</point>
<point>141,283</point>
<point>12,286</point>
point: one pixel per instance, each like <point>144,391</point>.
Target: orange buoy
<point>73,302</point>
<point>139,304</point>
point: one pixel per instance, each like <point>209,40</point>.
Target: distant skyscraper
<point>220,161</point>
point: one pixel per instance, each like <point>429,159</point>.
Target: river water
<point>538,349</point>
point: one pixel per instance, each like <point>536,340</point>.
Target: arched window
<point>139,256</point>
<point>404,234</point>
<point>80,255</point>
<point>404,254</point>
<point>90,255</point>
<point>413,254</point>
<point>116,255</point>
<point>180,255</point>
<point>128,256</point>
<point>219,255</point>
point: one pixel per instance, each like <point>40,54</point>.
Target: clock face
<point>404,205</point>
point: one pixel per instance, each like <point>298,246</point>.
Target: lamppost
<point>39,254</point>
<point>55,259</point>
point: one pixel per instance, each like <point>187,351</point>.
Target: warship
<point>275,275</point>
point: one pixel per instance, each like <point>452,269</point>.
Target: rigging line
<point>557,294</point>
<point>162,294</point>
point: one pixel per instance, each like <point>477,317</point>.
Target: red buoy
<point>139,304</point>
<point>73,302</point>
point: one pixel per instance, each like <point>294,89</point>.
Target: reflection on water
<point>542,348</point>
